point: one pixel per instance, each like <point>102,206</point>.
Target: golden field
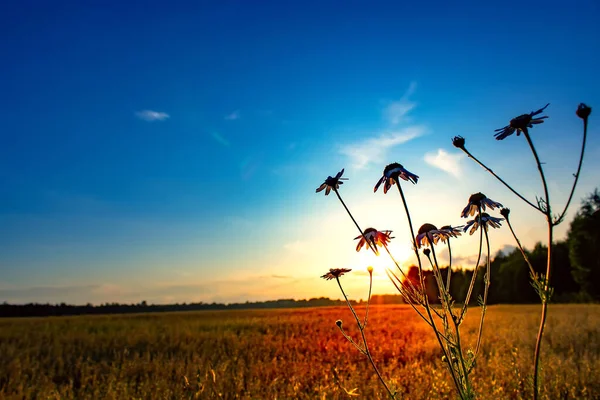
<point>290,354</point>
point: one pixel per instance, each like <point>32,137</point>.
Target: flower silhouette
<point>332,183</point>
<point>375,237</point>
<point>458,141</point>
<point>428,234</point>
<point>485,220</point>
<point>335,273</point>
<point>583,111</point>
<point>520,124</point>
<point>392,173</point>
<point>453,231</point>
<point>476,201</point>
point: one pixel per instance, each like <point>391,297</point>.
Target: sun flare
<point>383,261</point>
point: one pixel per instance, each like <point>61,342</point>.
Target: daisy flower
<point>483,219</point>
<point>520,124</point>
<point>476,201</point>
<point>332,183</point>
<point>392,173</point>
<point>428,234</point>
<point>335,273</point>
<point>375,237</point>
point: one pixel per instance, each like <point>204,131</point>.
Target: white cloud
<point>374,150</point>
<point>233,116</point>
<point>450,163</point>
<point>150,115</point>
<point>397,110</point>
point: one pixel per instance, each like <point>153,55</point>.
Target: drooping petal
<point>379,182</point>
<point>539,111</point>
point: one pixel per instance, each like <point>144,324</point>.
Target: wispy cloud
<point>233,116</point>
<point>397,110</point>
<point>220,138</point>
<point>374,150</point>
<point>450,163</point>
<point>150,115</point>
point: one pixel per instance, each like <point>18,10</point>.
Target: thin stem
<point>538,343</point>
<point>500,179</point>
<point>437,279</point>
<point>401,271</point>
<point>486,281</point>
<point>472,284</point>
<point>427,306</point>
<point>541,170</point>
<point>548,213</point>
<point>355,223</point>
<point>460,353</point>
<point>391,276</point>
<point>440,281</point>
<point>362,333</point>
<point>362,351</point>
<point>368,298</point>
<point>449,267</point>
<point>562,214</point>
<point>531,270</point>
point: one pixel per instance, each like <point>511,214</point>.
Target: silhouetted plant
<point>412,286</point>
<point>540,282</point>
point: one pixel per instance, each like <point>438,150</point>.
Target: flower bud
<point>426,252</point>
<point>458,141</point>
<point>339,323</point>
<point>370,270</point>
<point>583,111</point>
<point>505,212</point>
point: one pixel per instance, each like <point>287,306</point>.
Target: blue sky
<point>170,152</point>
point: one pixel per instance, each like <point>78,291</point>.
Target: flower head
<point>485,220</point>
<point>458,141</point>
<point>428,234</point>
<point>520,124</point>
<point>392,173</point>
<point>583,111</point>
<point>453,231</point>
<point>335,273</point>
<point>375,237</point>
<point>332,183</point>
<point>477,201</point>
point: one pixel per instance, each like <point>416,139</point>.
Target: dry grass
<point>288,354</point>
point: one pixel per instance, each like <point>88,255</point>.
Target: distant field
<point>289,354</point>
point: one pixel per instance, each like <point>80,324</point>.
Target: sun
<point>383,261</point>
